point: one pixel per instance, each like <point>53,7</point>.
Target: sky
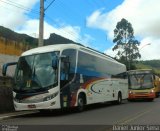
<point>89,22</point>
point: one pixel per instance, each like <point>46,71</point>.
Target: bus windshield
<point>36,72</point>
<point>140,81</point>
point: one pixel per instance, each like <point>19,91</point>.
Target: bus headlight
<point>47,98</point>
<point>152,91</point>
<point>131,92</point>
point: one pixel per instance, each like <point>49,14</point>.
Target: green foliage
<point>126,44</point>
<point>152,63</point>
<point>149,64</point>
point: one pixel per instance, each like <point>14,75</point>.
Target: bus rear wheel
<point>119,100</point>
<point>80,106</point>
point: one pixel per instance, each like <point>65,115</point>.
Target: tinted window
<point>69,63</point>
<point>90,65</point>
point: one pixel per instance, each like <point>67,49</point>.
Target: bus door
<point>67,72</point>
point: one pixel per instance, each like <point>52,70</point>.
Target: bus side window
<point>121,75</point>
<point>68,64</point>
<point>125,75</point>
<point>65,66</point>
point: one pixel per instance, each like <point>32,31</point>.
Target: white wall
<point>5,59</point>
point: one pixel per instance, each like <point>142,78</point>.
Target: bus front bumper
<point>51,104</point>
<point>141,96</point>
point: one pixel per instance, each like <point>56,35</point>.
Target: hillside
<point>149,64</point>
<point>12,43</point>
<point>19,38</point>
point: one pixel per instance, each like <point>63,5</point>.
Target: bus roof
<point>60,47</point>
<point>140,71</point>
<point>48,48</point>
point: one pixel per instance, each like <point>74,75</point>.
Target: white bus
<point>66,75</point>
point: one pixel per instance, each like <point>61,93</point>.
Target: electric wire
<point>20,6</point>
<point>49,5</point>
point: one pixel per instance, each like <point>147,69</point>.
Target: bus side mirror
<point>4,69</point>
<point>5,66</point>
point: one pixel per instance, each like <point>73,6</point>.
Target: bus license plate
<point>32,106</point>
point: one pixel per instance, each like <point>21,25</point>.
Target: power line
<point>60,28</point>
<point>19,6</point>
<point>9,2</point>
<point>28,9</point>
<point>64,31</point>
<point>49,5</point>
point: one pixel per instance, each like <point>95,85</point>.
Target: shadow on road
<point>71,111</point>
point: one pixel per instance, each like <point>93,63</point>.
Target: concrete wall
<point>5,59</point>
<point>6,99</point>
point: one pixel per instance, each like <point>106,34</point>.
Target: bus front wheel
<point>151,99</point>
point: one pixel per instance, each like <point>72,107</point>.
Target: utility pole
<point>41,23</point>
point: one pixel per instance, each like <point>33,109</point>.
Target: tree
<point>126,44</point>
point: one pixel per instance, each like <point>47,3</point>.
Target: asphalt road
<point>99,115</point>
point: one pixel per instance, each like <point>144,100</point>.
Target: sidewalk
<point>14,114</point>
